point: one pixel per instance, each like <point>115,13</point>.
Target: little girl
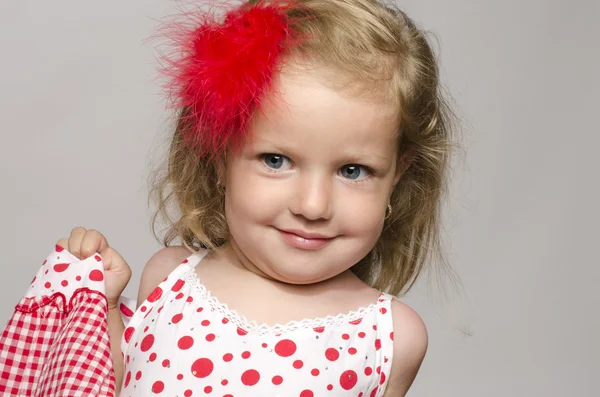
<point>307,165</point>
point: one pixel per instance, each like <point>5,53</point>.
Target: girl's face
<point>320,164</point>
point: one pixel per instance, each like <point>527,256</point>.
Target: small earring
<point>388,211</point>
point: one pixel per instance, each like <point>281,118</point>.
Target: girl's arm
<point>410,346</point>
<point>115,332</point>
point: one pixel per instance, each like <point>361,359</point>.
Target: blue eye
<point>273,161</point>
<point>353,172</point>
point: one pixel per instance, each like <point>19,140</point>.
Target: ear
<point>403,162</point>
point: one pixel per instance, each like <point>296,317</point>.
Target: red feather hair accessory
<point>224,71</point>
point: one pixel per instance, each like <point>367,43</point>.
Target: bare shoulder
<point>158,268</point>
<point>410,346</point>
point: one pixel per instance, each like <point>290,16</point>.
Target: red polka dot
<point>246,354</point>
<point>383,310</point>
<point>152,357</point>
<point>179,295</point>
<point>187,393</point>
<point>47,285</point>
<point>345,336</point>
<point>127,378</point>
<point>227,395</point>
<point>138,375</point>
<point>207,389</point>
<point>277,380</point>
<point>34,278</point>
<point>96,275</point>
<point>166,363</point>
<point>382,380</point>
<point>59,248</point>
<point>228,357</point>
<point>319,329</point>
<point>241,331</point>
<point>332,354</point>
<point>329,387</point>
<point>360,394</point>
<point>64,283</point>
<point>348,379</point>
<point>224,382</point>
<point>189,299</point>
<point>250,377</point>
<point>143,309</point>
<point>314,372</point>
<point>374,392</point>
<point>361,334</point>
<point>377,344</point>
<point>368,371</point>
<point>97,258</point>
<point>125,310</point>
<point>352,350</point>
<point>177,286</point>
<point>158,387</point>
<point>307,393</point>
<point>356,322</point>
<point>185,342</point>
<point>61,267</point>
<point>198,310</point>
<point>149,311</point>
<point>78,278</point>
<point>225,320</point>
<point>264,345</point>
<point>155,295</point>
<point>180,377</point>
<point>147,342</point>
<point>375,327</point>
<point>285,348</point>
<point>298,364</point>
<point>202,367</point>
<point>210,337</point>
<point>160,309</point>
<point>378,370</point>
<point>177,318</point>
<point>392,335</point>
<point>205,323</point>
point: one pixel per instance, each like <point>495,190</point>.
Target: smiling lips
<point>303,240</point>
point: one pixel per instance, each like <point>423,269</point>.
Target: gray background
<point>81,118</point>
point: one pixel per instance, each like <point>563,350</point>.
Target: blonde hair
<point>377,47</point>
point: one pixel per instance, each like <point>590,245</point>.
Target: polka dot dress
<point>183,342</point>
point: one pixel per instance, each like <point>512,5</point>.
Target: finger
<point>113,261</point>
<point>75,239</point>
<point>93,242</point>
<point>63,242</point>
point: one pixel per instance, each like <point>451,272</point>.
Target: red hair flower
<point>223,71</point>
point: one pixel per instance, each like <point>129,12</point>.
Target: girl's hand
<point>84,243</point>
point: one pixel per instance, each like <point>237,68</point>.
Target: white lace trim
<point>264,329</point>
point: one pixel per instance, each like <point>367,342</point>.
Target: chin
<point>297,270</point>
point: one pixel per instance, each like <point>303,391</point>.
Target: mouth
<point>303,240</point>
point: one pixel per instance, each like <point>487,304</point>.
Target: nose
<point>313,197</point>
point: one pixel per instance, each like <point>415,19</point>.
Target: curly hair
<point>376,47</point>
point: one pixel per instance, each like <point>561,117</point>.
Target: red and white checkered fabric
<point>57,342</point>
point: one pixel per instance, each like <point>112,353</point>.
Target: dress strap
<point>192,260</point>
<point>385,334</point>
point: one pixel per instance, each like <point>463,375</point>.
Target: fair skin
<point>324,162</point>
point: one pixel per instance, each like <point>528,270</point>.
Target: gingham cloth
<point>57,343</point>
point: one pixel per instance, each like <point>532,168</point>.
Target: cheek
<point>249,197</point>
<point>362,218</point>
